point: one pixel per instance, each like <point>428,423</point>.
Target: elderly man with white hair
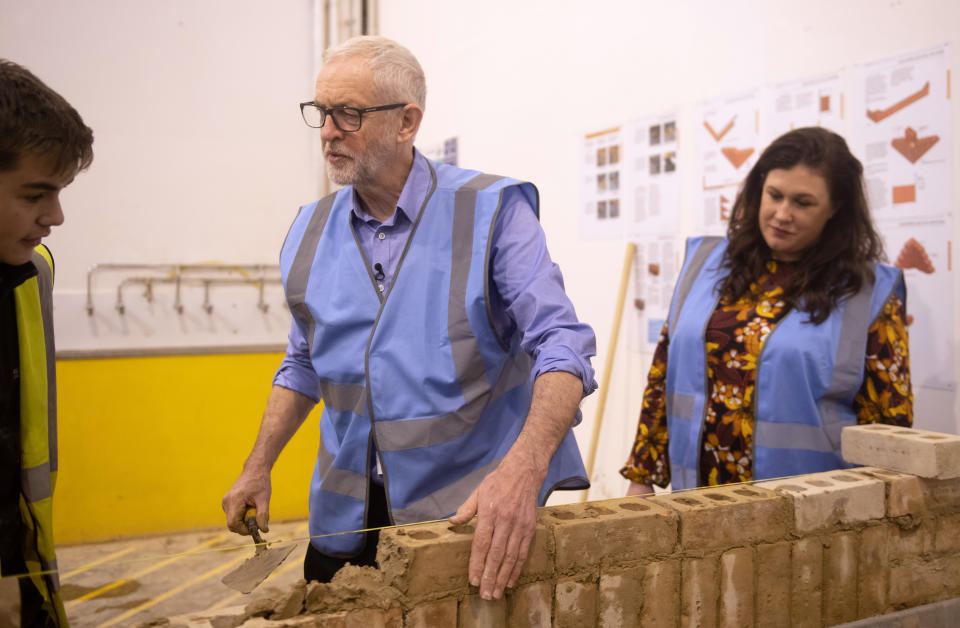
<point>429,318</point>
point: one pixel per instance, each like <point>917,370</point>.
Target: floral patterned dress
<point>734,337</point>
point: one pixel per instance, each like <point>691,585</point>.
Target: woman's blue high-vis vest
<point>418,372</point>
<point>807,375</point>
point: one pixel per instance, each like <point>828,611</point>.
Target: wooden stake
<point>608,363</point>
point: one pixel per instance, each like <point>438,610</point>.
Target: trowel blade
<point>255,570</point>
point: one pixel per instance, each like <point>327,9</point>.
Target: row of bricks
<point>816,581</point>
<point>580,538</point>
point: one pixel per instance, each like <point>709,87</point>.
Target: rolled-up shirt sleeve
<point>296,371</point>
<point>531,295</point>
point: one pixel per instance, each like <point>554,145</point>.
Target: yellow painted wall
<point>151,444</point>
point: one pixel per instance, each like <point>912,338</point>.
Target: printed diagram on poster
<point>656,184</point>
<point>728,139</point>
<point>905,132</point>
<point>815,101</point>
<point>922,250</point>
<point>655,268</point>
<point>602,214</point>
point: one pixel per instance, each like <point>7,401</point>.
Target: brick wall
<point>812,550</point>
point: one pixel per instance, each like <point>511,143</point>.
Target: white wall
<point>520,83</point>
<point>200,152</point>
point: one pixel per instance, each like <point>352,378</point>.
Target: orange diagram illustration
<point>882,114</point>
<point>904,194</point>
<point>724,131</point>
<point>736,156</point>
<point>913,147</point>
<point>724,208</point>
<point>913,255</point>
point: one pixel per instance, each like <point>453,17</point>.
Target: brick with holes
<point>609,532</point>
<point>920,452</point>
<point>718,517</point>
<point>822,500</point>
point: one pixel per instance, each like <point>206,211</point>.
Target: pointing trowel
<point>255,569</point>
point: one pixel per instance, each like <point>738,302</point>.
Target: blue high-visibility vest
<point>418,372</point>
<point>807,375</point>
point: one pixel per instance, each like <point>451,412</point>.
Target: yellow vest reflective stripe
<point>38,426</point>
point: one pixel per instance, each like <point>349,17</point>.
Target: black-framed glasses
<point>346,119</point>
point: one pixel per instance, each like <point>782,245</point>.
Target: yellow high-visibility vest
<point>38,429</point>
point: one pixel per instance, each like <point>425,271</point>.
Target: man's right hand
<point>252,488</point>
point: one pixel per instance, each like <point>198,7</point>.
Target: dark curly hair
<point>36,119</point>
<point>842,258</point>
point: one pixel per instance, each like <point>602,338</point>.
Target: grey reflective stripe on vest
<point>339,481</point>
<point>847,366</point>
<point>445,500</point>
<point>45,288</point>
<point>35,482</point>
<point>681,406</point>
<point>413,433</point>
<point>794,436</point>
<point>344,397</point>
<point>693,271</point>
<point>466,356</point>
<point>296,288</point>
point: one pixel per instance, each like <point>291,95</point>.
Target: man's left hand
<point>505,504</point>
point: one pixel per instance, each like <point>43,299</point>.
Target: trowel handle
<point>250,519</point>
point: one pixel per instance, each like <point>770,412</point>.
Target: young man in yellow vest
<point>43,145</point>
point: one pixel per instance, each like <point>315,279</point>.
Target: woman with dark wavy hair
<point>779,334</point>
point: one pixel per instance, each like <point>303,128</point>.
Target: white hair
<point>396,72</point>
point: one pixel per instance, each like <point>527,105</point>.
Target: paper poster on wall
<point>655,180</point>
<point>905,135</point>
<point>655,268</point>
<point>816,101</point>
<point>922,249</point>
<point>905,138</point>
<point>602,184</point>
<point>728,140</point>
<point>445,151</point>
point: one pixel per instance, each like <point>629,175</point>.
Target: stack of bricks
<point>811,550</point>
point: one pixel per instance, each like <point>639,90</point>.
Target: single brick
<point>609,532</point>
<point>773,584</point>
<point>916,582</point>
<point>576,604</point>
<point>700,590</point>
<point>432,614</point>
<point>920,452</point>
<point>621,597</point>
<point>433,558</point>
<point>736,588</point>
<point>366,617</point>
<point>908,494</point>
<point>661,603</point>
<point>840,578</point>
<point>806,561</point>
<point>476,612</point>
<point>873,571</point>
<point>947,534</point>
<point>826,499</point>
<point>529,605</point>
<point>716,518</point>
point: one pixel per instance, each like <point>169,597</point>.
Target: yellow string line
<point>231,548</point>
<point>320,536</point>
<point>160,598</point>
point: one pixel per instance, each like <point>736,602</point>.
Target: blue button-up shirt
<point>527,294</point>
